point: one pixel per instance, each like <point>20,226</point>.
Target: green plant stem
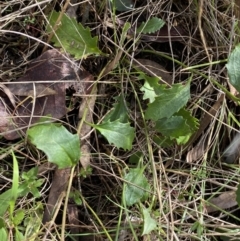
<point>150,151</point>
<point>54,28</point>
<point>127,213</point>
<point>64,218</point>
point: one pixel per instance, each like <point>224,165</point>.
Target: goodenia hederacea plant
<point>61,147</point>
<point>136,187</point>
<point>148,87</point>
<point>169,101</point>
<point>180,126</point>
<point>149,224</point>
<point>167,108</point>
<point>72,36</point>
<point>117,133</point>
<point>118,112</point>
<point>152,25</point>
<point>115,126</point>
<point>233,67</point>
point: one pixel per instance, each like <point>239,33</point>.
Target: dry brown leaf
<point>32,101</point>
<point>59,185</point>
<point>154,69</point>
<point>207,118</point>
<point>39,90</point>
<point>73,219</point>
<point>61,176</point>
<point>199,150</point>
<point>87,103</point>
<point>112,64</point>
<point>8,93</point>
<point>196,153</point>
<point>223,201</point>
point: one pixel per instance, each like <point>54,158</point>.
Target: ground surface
<point>189,191</point>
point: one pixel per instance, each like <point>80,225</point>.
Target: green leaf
<point>85,172</point>
<point>233,67</point>
<point>3,234</point>
<point>76,196</point>
<point>149,223</point>
<point>180,126</point>
<point>152,25</point>
<point>15,182</point>
<point>61,147</point>
<point>18,217</point>
<point>5,199</point>
<point>238,195</point>
<point>18,235</point>
<point>183,139</point>
<point>151,87</point>
<point>33,223</point>
<point>8,198</point>
<point>31,174</point>
<point>117,133</point>
<point>124,34</point>
<point>170,101</point>
<point>149,92</point>
<point>191,121</point>
<point>153,82</point>
<point>174,127</point>
<point>122,5</point>
<point>118,112</point>
<point>30,185</point>
<point>73,37</point>
<point>2,222</point>
<point>136,186</point>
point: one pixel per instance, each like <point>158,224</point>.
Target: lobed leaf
<point>117,133</point>
<point>149,223</point>
<point>168,102</point>
<point>180,126</point>
<point>118,112</point>
<point>152,25</point>
<point>149,92</point>
<point>61,147</point>
<point>136,186</point>
<point>174,126</point>
<point>73,37</point>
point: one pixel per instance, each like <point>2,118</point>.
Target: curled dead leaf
<point>223,201</point>
<point>40,92</point>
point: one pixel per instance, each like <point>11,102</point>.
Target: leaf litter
<point>179,181</point>
<point>45,95</point>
